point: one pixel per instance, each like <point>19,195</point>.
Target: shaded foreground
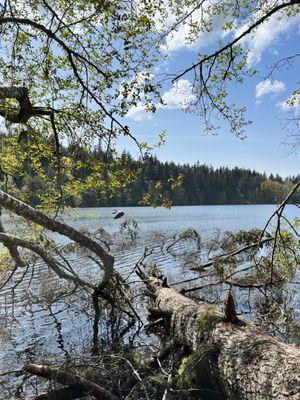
<point>224,357</point>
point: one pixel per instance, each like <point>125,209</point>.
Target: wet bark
<point>239,360</point>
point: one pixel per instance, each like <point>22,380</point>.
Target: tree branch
<point>9,240</point>
<point>67,378</point>
<point>223,257</point>
<point>13,250</point>
<point>29,213</point>
<point>52,35</point>
<point>26,110</point>
<point>238,38</point>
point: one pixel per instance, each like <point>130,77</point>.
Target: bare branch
<point>67,378</point>
<point>29,213</point>
<point>10,240</point>
<point>238,38</point>
<point>13,250</point>
<point>224,257</point>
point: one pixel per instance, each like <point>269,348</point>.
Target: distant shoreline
<point>179,205</point>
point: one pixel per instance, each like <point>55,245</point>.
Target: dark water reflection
<point>35,328</point>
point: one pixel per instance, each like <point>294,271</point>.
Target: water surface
<point>31,330</point>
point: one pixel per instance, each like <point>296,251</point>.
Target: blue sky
<point>263,148</point>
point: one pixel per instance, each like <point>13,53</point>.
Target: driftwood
<point>76,383</point>
<point>236,360</point>
<point>68,393</point>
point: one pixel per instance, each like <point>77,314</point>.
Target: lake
<point>170,221</point>
<point>160,223</point>
<point>30,330</point>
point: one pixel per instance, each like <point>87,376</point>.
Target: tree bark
<point>11,241</point>
<point>26,109</point>
<point>67,378</point>
<point>67,393</point>
<point>29,213</point>
<point>241,361</point>
<point>13,250</point>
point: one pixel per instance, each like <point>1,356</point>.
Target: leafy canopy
<point>85,64</point>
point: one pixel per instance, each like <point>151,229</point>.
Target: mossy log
<point>228,360</point>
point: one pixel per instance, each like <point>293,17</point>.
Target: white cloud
<point>139,112</point>
<point>193,33</point>
<point>178,39</point>
<point>179,96</point>
<point>267,87</point>
<point>182,37</point>
<point>291,104</point>
<point>267,34</point>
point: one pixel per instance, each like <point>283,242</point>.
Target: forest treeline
<point>203,184</point>
<point>197,184</point>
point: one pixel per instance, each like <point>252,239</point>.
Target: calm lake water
<point>170,221</point>
<point>159,224</point>
<point>30,330</point>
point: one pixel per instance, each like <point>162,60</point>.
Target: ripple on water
<point>30,330</point>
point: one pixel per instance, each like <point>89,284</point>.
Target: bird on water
<point>118,214</point>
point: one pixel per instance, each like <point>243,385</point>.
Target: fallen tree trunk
<point>232,360</point>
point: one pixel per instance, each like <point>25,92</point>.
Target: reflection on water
<point>38,322</point>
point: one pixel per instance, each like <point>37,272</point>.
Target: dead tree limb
<point>70,379</point>
<point>226,256</point>
<point>12,241</point>
<point>29,213</point>
<point>13,249</point>
<point>68,393</point>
